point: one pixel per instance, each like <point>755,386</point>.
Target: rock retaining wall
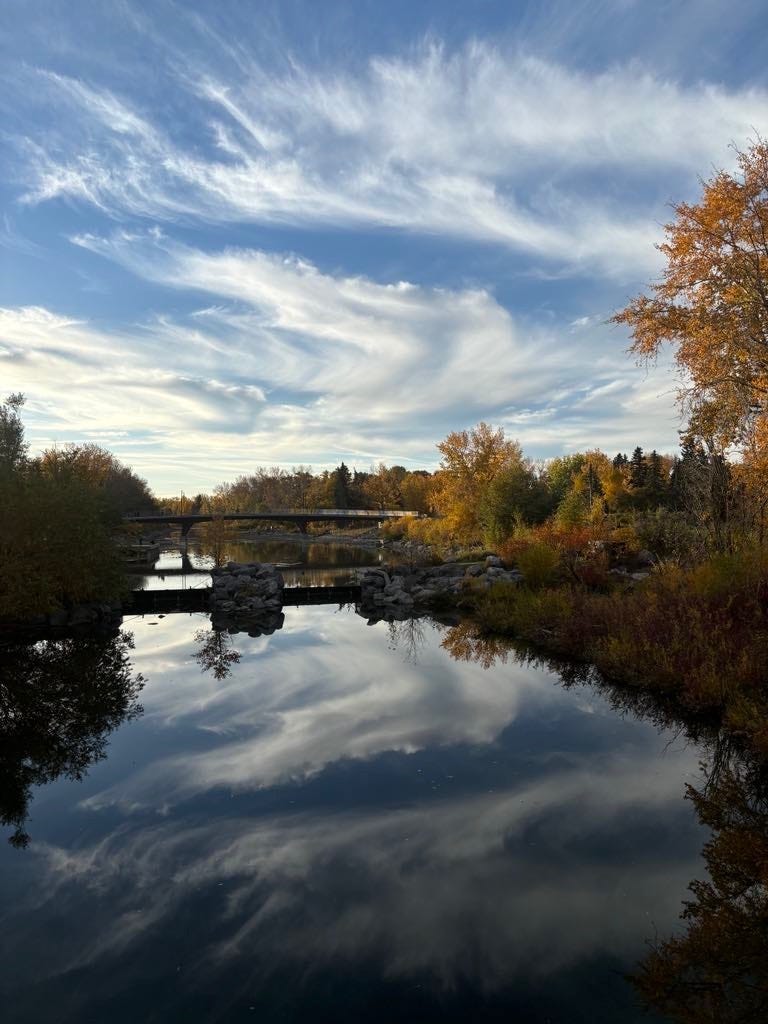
<point>405,589</point>
<point>247,596</point>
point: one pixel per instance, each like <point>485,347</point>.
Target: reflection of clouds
<point>582,849</point>
<point>281,717</point>
<point>489,885</point>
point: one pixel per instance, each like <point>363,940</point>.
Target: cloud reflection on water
<point>335,803</point>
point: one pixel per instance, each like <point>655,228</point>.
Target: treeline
<point>487,492</point>
<point>681,506</point>
<point>384,487</point>
<point>57,516</point>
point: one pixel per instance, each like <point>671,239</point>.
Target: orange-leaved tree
<point>712,301</point>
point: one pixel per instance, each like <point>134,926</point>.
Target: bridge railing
<point>340,513</point>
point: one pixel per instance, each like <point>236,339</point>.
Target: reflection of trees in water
<point>466,642</point>
<point>215,653</point>
<point>717,971</point>
<point>408,635</point>
<point>59,700</point>
<point>215,539</point>
<point>321,555</point>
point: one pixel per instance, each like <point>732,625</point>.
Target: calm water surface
<point>340,822</point>
<point>307,563</point>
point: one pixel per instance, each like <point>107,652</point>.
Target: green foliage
<point>669,533</point>
<point>560,475</point>
<point>573,510</point>
<point>55,546</point>
<point>13,449</point>
<point>539,564</point>
<point>638,469</point>
<point>472,555</point>
<point>514,497</point>
<point>530,614</point>
<point>120,489</point>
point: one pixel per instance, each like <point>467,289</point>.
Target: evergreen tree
<point>620,461</point>
<point>342,480</point>
<point>638,469</point>
<point>655,480</point>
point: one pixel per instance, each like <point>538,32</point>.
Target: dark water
<point>339,822</point>
<point>307,563</point>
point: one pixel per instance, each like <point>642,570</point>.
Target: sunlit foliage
<point>712,301</point>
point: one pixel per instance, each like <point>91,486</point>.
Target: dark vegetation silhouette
<point>59,701</point>
<point>215,652</point>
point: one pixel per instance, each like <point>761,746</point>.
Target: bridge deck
<point>274,515</point>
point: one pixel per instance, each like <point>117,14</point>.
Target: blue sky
<point>237,234</point>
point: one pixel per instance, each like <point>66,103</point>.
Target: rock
<point>495,561</point>
<point>645,557</point>
<point>475,569</point>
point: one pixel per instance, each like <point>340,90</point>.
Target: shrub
<point>670,534</point>
<point>534,615</point>
<point>394,529</point>
<point>539,565</point>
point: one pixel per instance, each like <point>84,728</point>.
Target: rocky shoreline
<point>419,588</point>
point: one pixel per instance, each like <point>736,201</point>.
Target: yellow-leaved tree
<point>472,459</point>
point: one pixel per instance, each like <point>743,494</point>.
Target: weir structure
<point>301,517</point>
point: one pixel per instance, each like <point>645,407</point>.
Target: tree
<point>560,474</point>
<point>638,469</point>
<point>471,460</point>
<point>515,496</point>
<point>55,546</point>
<point>382,488</point>
<point>342,480</point>
<point>712,301</point>
<point>416,490</point>
<point>214,652</point>
<point>13,449</point>
<point>656,479</point>
<point>121,489</point>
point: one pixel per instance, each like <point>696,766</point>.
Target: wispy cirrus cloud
<point>491,146</point>
<point>292,364</point>
<point>381,356</point>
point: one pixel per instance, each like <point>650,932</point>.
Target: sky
<point>243,234</point>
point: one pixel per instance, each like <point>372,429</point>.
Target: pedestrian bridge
<point>301,517</point>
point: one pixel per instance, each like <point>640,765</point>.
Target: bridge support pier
<point>185,528</point>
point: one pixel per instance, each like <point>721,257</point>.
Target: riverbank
<point>698,635</point>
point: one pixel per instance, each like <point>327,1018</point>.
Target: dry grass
<point>700,635</point>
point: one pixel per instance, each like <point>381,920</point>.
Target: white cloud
<point>479,144</point>
<point>292,364</point>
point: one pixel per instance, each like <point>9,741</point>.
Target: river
<point>339,822</point>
